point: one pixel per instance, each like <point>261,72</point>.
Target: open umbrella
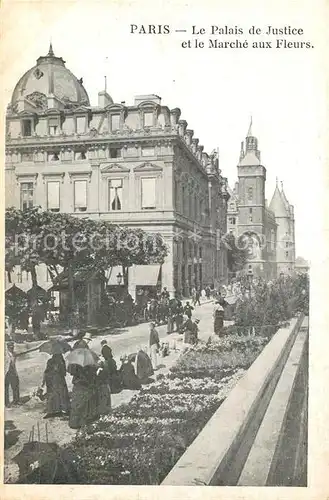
<point>82,357</point>
<point>55,346</point>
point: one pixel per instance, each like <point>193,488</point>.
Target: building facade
<point>268,232</point>
<point>137,165</point>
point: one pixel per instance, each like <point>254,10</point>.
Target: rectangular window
<point>53,126</point>
<point>53,129</point>
<point>115,194</point>
<point>250,194</point>
<point>115,122</point>
<point>148,152</point>
<point>53,157</point>
<point>26,128</point>
<point>80,155</point>
<point>287,254</point>
<point>53,197</point>
<point>250,210</point>
<point>115,153</point>
<point>232,220</point>
<point>80,196</point>
<point>148,119</point>
<point>148,193</point>
<point>27,156</point>
<point>287,244</point>
<point>26,195</point>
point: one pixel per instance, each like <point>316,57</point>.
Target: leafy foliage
<point>236,257</point>
<point>266,305</point>
<point>58,239</point>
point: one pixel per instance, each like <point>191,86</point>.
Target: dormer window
<point>53,126</point>
<point>148,119</point>
<point>115,122</point>
<point>26,128</point>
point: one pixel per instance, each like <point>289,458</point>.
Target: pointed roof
<point>249,134</point>
<point>50,51</point>
<point>278,205</point>
<point>284,196</point>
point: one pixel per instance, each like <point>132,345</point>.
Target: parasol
<point>55,346</point>
<point>82,357</point>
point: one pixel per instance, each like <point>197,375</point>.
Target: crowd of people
<point>95,380</point>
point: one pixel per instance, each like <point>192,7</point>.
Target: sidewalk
<point>20,420</point>
<point>27,347</point>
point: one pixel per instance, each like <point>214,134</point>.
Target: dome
<point>50,78</point>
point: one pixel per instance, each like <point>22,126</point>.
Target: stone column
<point>167,267</point>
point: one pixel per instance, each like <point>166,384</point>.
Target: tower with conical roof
<point>284,217</point>
<point>251,194</point>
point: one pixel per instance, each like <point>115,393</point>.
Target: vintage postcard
<point>165,256</point>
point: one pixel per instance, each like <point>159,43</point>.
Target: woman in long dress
<point>58,401</point>
<point>110,366</point>
<point>85,396</point>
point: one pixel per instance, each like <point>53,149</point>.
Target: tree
<point>236,257</point>
<point>68,245</point>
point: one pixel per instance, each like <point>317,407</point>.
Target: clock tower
<point>252,210</point>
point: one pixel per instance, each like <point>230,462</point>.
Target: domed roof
<point>50,77</point>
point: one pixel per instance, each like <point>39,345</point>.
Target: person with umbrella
<point>82,365</point>
<point>58,402</point>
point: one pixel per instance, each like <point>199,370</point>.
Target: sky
<point>217,90</point>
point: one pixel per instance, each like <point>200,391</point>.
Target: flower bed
<point>141,441</point>
<point>219,359</point>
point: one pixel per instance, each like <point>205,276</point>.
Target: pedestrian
<point>85,402</point>
<point>179,318</point>
<point>188,328</point>
<point>11,377</point>
<point>165,294</point>
<point>103,390</point>
<point>110,367</point>
<point>154,345</point>
<point>195,330</point>
<point>58,402</point>
<point>128,375</point>
<point>218,316</point>
<point>170,319</point>
<point>83,342</point>
<point>197,297</point>
<point>188,310</point>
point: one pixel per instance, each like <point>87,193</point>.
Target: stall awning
<point>145,275</point>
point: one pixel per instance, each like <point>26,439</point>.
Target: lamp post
<point>119,281</point>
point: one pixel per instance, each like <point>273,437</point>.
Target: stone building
<point>267,231</point>
<point>138,165</point>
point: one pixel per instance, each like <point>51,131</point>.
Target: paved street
<point>127,340</point>
<point>21,419</point>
